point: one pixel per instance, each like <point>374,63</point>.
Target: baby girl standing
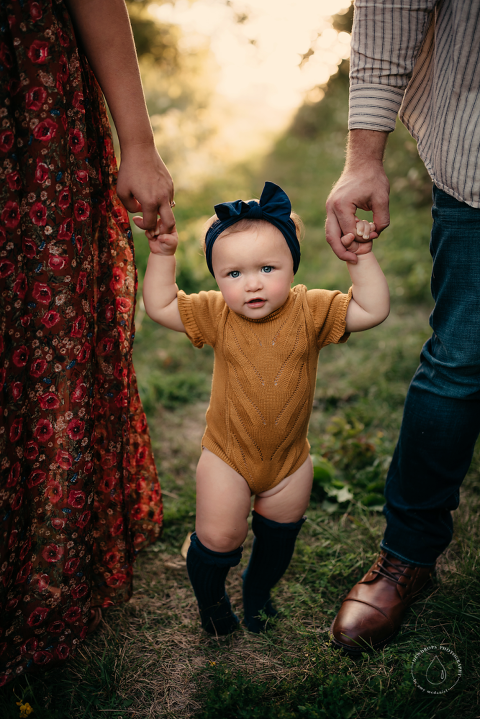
<point>266,337</point>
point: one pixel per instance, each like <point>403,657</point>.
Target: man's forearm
<point>365,146</point>
<point>103,27</point>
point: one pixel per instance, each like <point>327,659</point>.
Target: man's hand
<point>145,185</point>
<point>364,185</point>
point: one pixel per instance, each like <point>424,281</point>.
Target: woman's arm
<point>370,303</point>
<point>159,287</point>
<point>144,183</point>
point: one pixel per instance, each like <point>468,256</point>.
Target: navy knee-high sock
<point>271,554</point>
<point>207,571</point>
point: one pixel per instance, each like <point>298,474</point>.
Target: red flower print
<point>7,576</point>
<point>120,214</point>
<point>141,456</point>
<point>16,429</point>
<point>121,400</point>
<point>64,198</point>
<point>49,400</point>
<point>88,467</point>
<point>10,215</point>
<point>139,511</point>
<point>14,181</point>
<point>20,285</point>
<point>109,312</point>
<point>42,657</point>
<point>20,356</point>
<point>63,37</point>
<point>29,646</point>
<point>5,55</point>
<point>55,262</point>
<point>120,372</point>
<point>107,484</point>
<point>138,539</point>
<point>141,424</point>
<point>76,429</point>
<point>64,459</point>
<point>111,558</point>
<point>41,172</point>
<point>64,71</point>
<point>141,484</point>
<point>117,579</point>
<point>50,318</point>
<point>72,615</point>
<point>36,477</point>
<point>17,389</point>
<point>65,231</point>
<point>38,51</point>
<point>83,520</point>
<point>17,500</point>
<point>81,282</point>
<point>6,140</point>
<point>52,553</point>
<point>109,459</point>
<point>71,566</point>
<point>81,176</point>
<point>37,616</point>
<point>56,627</point>
<point>31,450</point>
<point>43,582</point>
<point>3,236</point>
<point>78,101</point>
<point>43,430</point>
<point>53,492</point>
<point>38,214</point>
<point>11,604</point>
<point>29,248</point>
<point>6,268</point>
<point>45,130</point>
<point>58,524</point>
<point>14,475</point>
<point>62,651</point>
<point>35,98</point>
<point>117,527</point>
<point>123,304</point>
<point>35,11</point>
<point>80,591</point>
<point>84,353</point>
<point>76,498</point>
<point>76,139</point>
<point>26,548</point>
<point>105,346</point>
<point>42,293</point>
<point>78,326</point>
<point>118,279</point>
<point>23,573</point>
<point>121,334</point>
<point>38,367</point>
<point>82,210</point>
<point>79,392</point>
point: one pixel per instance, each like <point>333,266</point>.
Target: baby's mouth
<point>256,301</point>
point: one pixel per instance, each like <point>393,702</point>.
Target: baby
<point>266,337</point>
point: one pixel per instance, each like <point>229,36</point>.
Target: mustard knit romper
<point>263,378</point>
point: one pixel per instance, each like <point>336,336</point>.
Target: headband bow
<point>274,207</point>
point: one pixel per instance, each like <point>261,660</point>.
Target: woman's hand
<point>145,185</point>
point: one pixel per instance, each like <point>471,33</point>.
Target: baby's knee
<point>222,541</point>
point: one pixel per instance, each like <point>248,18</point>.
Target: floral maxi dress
<point>79,495</point>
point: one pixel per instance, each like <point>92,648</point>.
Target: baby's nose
<point>253,282</point>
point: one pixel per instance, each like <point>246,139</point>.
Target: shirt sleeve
<point>200,314</point>
<point>329,310</point>
<point>387,38</point>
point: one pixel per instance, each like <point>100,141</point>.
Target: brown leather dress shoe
<point>372,612</point>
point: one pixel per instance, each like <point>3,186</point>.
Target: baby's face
<point>253,270</point>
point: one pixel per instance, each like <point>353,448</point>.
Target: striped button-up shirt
<point>421,59</point>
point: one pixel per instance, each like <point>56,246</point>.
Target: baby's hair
<point>243,225</point>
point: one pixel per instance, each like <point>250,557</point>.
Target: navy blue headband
<point>274,207</point>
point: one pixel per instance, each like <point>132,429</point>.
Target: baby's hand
<point>365,230</point>
<point>160,242</point>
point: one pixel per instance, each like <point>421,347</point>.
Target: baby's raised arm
<point>370,304</point>
<point>159,287</point>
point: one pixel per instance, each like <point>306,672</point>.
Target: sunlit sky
<point>282,30</point>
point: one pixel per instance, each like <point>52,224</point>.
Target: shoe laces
<point>391,570</point>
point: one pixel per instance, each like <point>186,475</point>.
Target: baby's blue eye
<point>267,268</point>
<point>234,274</point>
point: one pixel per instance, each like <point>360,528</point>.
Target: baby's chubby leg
<point>277,520</point>
<point>223,505</point>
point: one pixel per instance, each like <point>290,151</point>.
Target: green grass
<point>149,657</point>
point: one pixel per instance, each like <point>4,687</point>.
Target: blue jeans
<point>441,419</point>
